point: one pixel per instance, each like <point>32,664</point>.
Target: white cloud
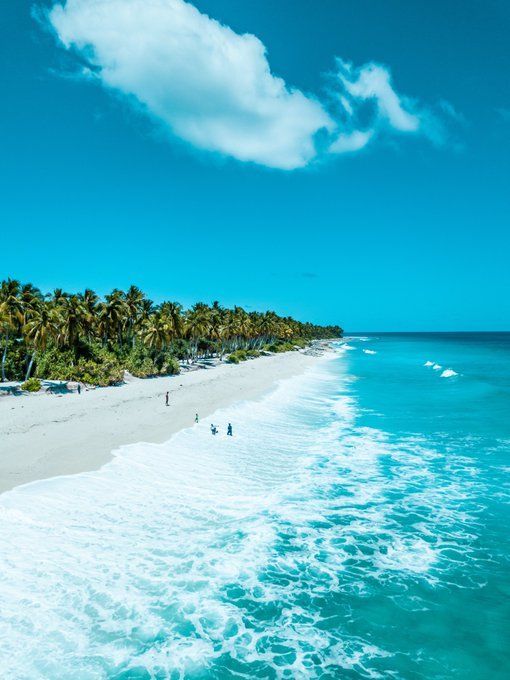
<point>373,82</point>
<point>348,143</point>
<point>214,88</point>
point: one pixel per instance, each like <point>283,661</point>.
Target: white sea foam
<point>369,351</point>
<point>428,363</point>
<point>448,373</point>
<point>436,367</point>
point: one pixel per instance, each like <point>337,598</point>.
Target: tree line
<point>80,336</point>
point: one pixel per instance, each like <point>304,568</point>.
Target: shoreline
<point>56,435</point>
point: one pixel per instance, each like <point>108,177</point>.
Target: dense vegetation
<point>82,337</point>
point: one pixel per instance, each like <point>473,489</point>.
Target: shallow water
<point>355,526</point>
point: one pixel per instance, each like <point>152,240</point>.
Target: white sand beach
<point>44,436</point>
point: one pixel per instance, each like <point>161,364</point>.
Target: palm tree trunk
<point>4,356</point>
<point>31,363</point>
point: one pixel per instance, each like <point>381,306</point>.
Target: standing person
<point>79,388</point>
<point>196,417</point>
<point>213,429</point>
<point>166,399</point>
<point>229,430</point>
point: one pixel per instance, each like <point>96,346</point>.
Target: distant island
<point>84,338</point>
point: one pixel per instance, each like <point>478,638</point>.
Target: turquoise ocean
<point>357,525</point>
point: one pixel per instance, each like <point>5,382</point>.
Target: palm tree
<point>134,299</point>
<point>267,326</point>
<point>59,295</point>
<point>156,332</point>
<point>240,326</point>
<point>30,295</point>
<point>73,320</point>
<point>198,324</point>
<point>230,329</point>
<point>90,302</point>
<point>114,316</point>
<point>218,329</point>
<point>173,311</point>
<point>77,321</point>
<point>11,314</point>
<point>41,327</point>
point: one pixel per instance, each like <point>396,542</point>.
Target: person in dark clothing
<point>196,417</point>
<point>166,399</point>
<point>229,430</point>
<point>214,429</point>
<point>79,388</point>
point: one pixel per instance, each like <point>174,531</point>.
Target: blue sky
<point>189,169</point>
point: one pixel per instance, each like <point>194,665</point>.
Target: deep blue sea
<point>356,526</point>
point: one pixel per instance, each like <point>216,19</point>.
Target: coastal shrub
<point>243,355</point>
<point>139,362</point>
<point>281,346</point>
<point>55,363</point>
<point>275,347</point>
<point>31,385</point>
<point>170,365</point>
<point>102,371</point>
<point>15,359</point>
<point>96,366</point>
<point>206,346</point>
<point>142,368</point>
<point>180,348</point>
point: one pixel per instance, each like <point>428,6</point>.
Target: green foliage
<point>141,369</point>
<point>55,363</point>
<point>96,365</point>
<point>143,362</point>
<point>206,345</point>
<point>139,362</point>
<point>242,355</point>
<point>179,348</point>
<point>276,347</point>
<point>169,365</point>
<point>280,347</point>
<point>31,385</point>
<point>287,347</point>
<point>16,359</point>
<point>83,337</point>
<point>106,371</point>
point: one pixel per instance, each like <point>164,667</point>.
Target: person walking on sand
<point>79,388</point>
<point>166,399</point>
<point>229,430</point>
<point>196,417</point>
<point>214,429</point>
